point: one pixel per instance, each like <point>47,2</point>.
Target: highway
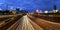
<point>46,25</point>
<point>29,22</point>
<point>33,23</point>
<point>26,25</point>
<point>9,22</point>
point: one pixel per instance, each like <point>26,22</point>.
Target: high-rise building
<point>55,9</point>
<point>17,9</point>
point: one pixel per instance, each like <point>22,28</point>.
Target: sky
<point>29,5</point>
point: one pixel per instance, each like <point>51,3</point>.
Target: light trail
<point>25,24</point>
<point>46,25</point>
<point>36,27</point>
<point>36,24</point>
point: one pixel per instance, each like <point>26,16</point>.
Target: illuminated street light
<point>46,11</point>
<point>41,11</point>
<point>55,11</point>
<point>37,11</point>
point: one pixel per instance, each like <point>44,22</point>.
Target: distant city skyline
<point>30,5</point>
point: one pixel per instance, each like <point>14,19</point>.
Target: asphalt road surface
<point>29,22</point>
<point>25,24</point>
<point>45,25</point>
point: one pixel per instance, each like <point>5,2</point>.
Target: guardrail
<point>14,26</point>
<point>6,16</point>
<point>9,23</point>
<point>5,21</point>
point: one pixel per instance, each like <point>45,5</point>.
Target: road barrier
<point>9,23</point>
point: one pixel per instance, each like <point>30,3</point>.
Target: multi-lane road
<point>44,24</point>
<point>10,20</point>
<point>29,22</point>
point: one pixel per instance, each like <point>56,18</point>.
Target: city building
<point>55,9</point>
<point>12,11</point>
<point>18,10</point>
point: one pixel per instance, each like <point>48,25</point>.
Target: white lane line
<point>26,24</point>
<point>49,22</point>
<point>37,27</point>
